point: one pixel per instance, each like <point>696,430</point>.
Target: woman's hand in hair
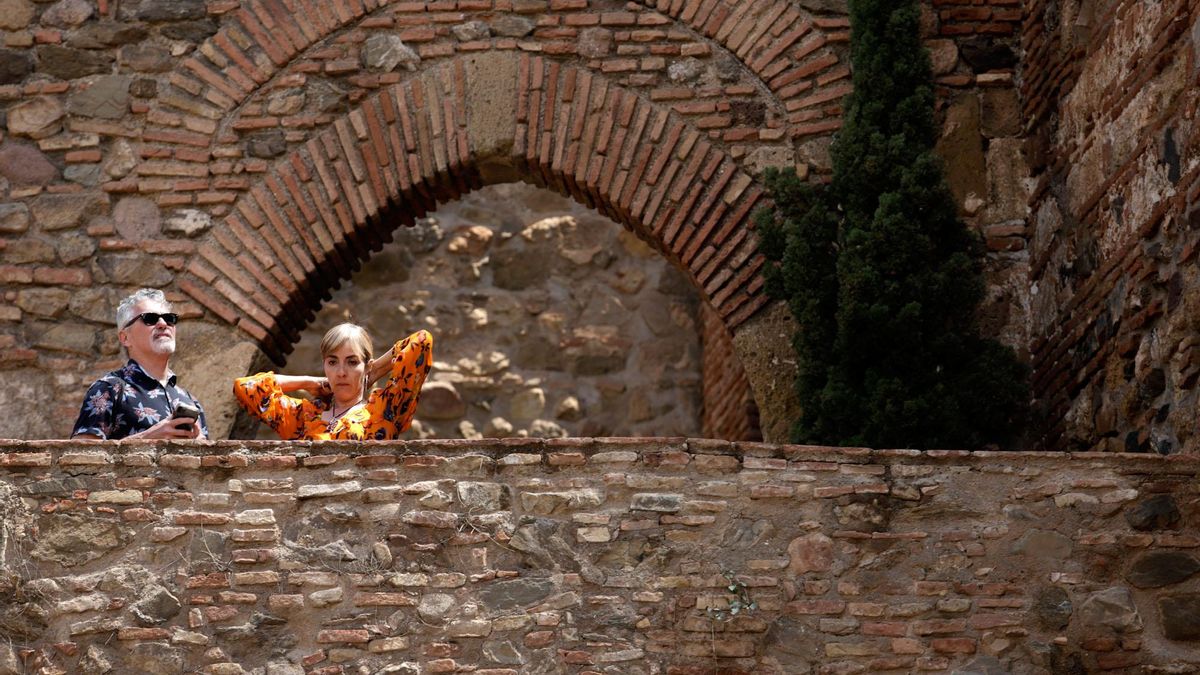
<point>379,367</point>
<point>319,388</point>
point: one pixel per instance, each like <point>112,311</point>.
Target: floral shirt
<point>127,401</point>
<point>387,413</point>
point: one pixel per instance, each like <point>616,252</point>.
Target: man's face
<point>144,341</point>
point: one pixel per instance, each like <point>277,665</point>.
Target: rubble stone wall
<point>592,556</point>
<point>1109,96</point>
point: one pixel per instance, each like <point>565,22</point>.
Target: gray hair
<point>125,309</point>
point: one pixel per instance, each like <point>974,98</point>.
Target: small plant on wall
<point>739,600</point>
<point>883,277</point>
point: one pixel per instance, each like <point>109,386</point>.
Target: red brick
<point>885,628</point>
<point>575,657</point>
<point>82,156</point>
<point>214,580</point>
<point>343,636</point>
<point>805,607</point>
<point>939,627</point>
<point>953,645</point>
<point>220,613</point>
<point>966,14</point>
<point>62,276</point>
<point>275,462</point>
<point>12,274</point>
<point>138,515</point>
<point>22,459</point>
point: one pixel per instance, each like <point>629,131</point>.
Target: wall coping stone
<point>92,453</point>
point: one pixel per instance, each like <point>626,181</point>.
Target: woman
<point>343,409</point>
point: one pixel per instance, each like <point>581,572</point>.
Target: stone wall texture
<point>592,556</point>
<point>249,155</point>
<point>1109,99</point>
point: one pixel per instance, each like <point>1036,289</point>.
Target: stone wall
<point>975,50</point>
<point>249,155</point>
<point>592,556</point>
<point>550,320</point>
<point>1109,96</point>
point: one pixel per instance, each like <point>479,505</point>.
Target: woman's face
<point>345,369</point>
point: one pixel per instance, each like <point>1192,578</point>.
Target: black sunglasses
<point>151,318</point>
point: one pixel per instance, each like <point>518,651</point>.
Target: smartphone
<point>185,411</point>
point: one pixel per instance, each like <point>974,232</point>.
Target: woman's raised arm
<point>263,395</point>
<point>317,386</point>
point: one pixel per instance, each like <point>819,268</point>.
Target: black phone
<point>185,411</point>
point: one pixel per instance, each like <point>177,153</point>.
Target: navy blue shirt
<point>127,401</point>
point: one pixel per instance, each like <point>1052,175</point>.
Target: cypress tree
<point>882,276</point>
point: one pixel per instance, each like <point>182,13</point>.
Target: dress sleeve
<point>261,396</point>
<point>96,413</point>
<point>396,402</point>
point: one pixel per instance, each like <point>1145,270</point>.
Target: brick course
<point>515,552</point>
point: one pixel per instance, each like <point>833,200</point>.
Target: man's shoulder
<point>109,380</point>
<point>118,380</point>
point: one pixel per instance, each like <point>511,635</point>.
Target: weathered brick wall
<point>1109,99</point>
<point>592,555</point>
<point>729,409</point>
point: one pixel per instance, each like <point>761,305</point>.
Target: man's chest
<point>145,406</point>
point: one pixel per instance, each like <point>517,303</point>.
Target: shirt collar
<point>135,370</point>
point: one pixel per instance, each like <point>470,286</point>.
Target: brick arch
<point>785,48</point>
<point>787,52</point>
<point>326,209</point>
<point>309,220</point>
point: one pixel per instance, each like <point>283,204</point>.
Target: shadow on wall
<point>551,321</point>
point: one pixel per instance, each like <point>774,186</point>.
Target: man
<point>139,400</point>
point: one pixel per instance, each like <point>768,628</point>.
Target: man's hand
<point>172,428</point>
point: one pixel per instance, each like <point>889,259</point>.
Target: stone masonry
<point>248,155</point>
<point>1110,101</point>
<point>592,556</point>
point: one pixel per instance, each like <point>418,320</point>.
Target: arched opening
<point>551,320</point>
<point>327,205</point>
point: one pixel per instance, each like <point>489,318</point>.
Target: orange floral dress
<point>387,413</point>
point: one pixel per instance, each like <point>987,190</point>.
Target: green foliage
<point>882,276</point>
<point>740,603</point>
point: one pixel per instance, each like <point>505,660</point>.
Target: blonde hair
<point>354,334</point>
